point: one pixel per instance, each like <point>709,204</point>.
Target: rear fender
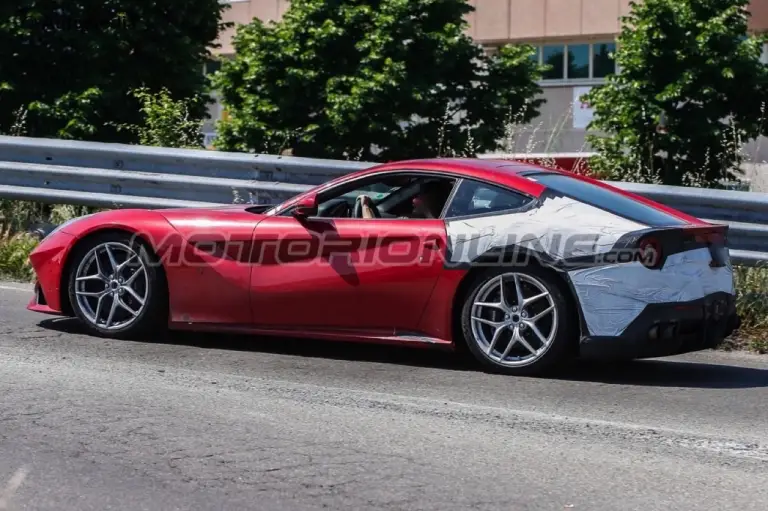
<point>686,264</point>
<point>512,257</point>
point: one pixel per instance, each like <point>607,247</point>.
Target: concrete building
<point>575,36</point>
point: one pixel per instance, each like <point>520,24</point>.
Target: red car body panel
<point>385,302</point>
<point>209,269</point>
<point>232,270</point>
<point>297,282</point>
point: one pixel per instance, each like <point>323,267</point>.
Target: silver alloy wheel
<point>508,326</point>
<point>111,286</point>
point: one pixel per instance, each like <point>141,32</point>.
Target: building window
<point>554,57</point>
<point>583,61</point>
<point>211,66</point>
<point>602,59</point>
<point>536,55</point>
<point>578,61</point>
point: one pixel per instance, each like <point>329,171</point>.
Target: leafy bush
<point>167,122</point>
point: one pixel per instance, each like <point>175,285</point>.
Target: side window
<point>475,198</point>
<point>337,202</point>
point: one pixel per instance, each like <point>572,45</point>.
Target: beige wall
<point>496,21</point>
<point>530,20</point>
<point>759,10</point>
<point>244,11</point>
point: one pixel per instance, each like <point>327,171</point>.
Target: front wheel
<point>116,286</point>
<point>516,322</point>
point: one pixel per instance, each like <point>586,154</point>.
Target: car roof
<point>511,173</point>
<point>503,172</point>
<point>462,164</point>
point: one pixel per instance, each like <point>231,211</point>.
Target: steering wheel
<point>358,211</point>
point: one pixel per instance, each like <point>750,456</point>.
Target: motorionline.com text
<point>397,249</point>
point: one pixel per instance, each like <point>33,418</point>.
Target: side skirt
<point>388,337</point>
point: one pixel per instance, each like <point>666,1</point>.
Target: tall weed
<point>752,305</point>
<point>14,255</point>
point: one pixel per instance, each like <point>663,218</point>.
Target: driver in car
<point>428,203</point>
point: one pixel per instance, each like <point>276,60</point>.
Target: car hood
<point>234,219</point>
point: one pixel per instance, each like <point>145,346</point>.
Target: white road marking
<point>10,489</point>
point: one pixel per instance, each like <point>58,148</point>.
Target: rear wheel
<point>116,286</point>
<point>517,322</point>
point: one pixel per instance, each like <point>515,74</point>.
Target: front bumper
<point>666,329</point>
<point>48,261</point>
<point>39,303</point>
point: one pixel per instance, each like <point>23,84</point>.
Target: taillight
<point>650,253</point>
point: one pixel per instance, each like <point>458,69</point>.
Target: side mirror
<point>306,207</point>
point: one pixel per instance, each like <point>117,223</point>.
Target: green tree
<point>70,64</point>
<point>371,79</point>
<point>689,93</point>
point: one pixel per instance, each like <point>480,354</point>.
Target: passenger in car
<point>428,203</point>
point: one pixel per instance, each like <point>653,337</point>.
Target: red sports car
<point>524,266</point>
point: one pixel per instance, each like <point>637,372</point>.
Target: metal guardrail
<point>116,175</point>
<point>127,175</point>
<point>746,214</point>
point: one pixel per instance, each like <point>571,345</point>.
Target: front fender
<point>150,225</point>
<point>52,257</point>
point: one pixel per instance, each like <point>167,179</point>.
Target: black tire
<point>152,319</point>
<point>560,349</point>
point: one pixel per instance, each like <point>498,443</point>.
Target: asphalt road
<point>219,422</point>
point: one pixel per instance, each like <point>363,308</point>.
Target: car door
<point>372,275</point>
